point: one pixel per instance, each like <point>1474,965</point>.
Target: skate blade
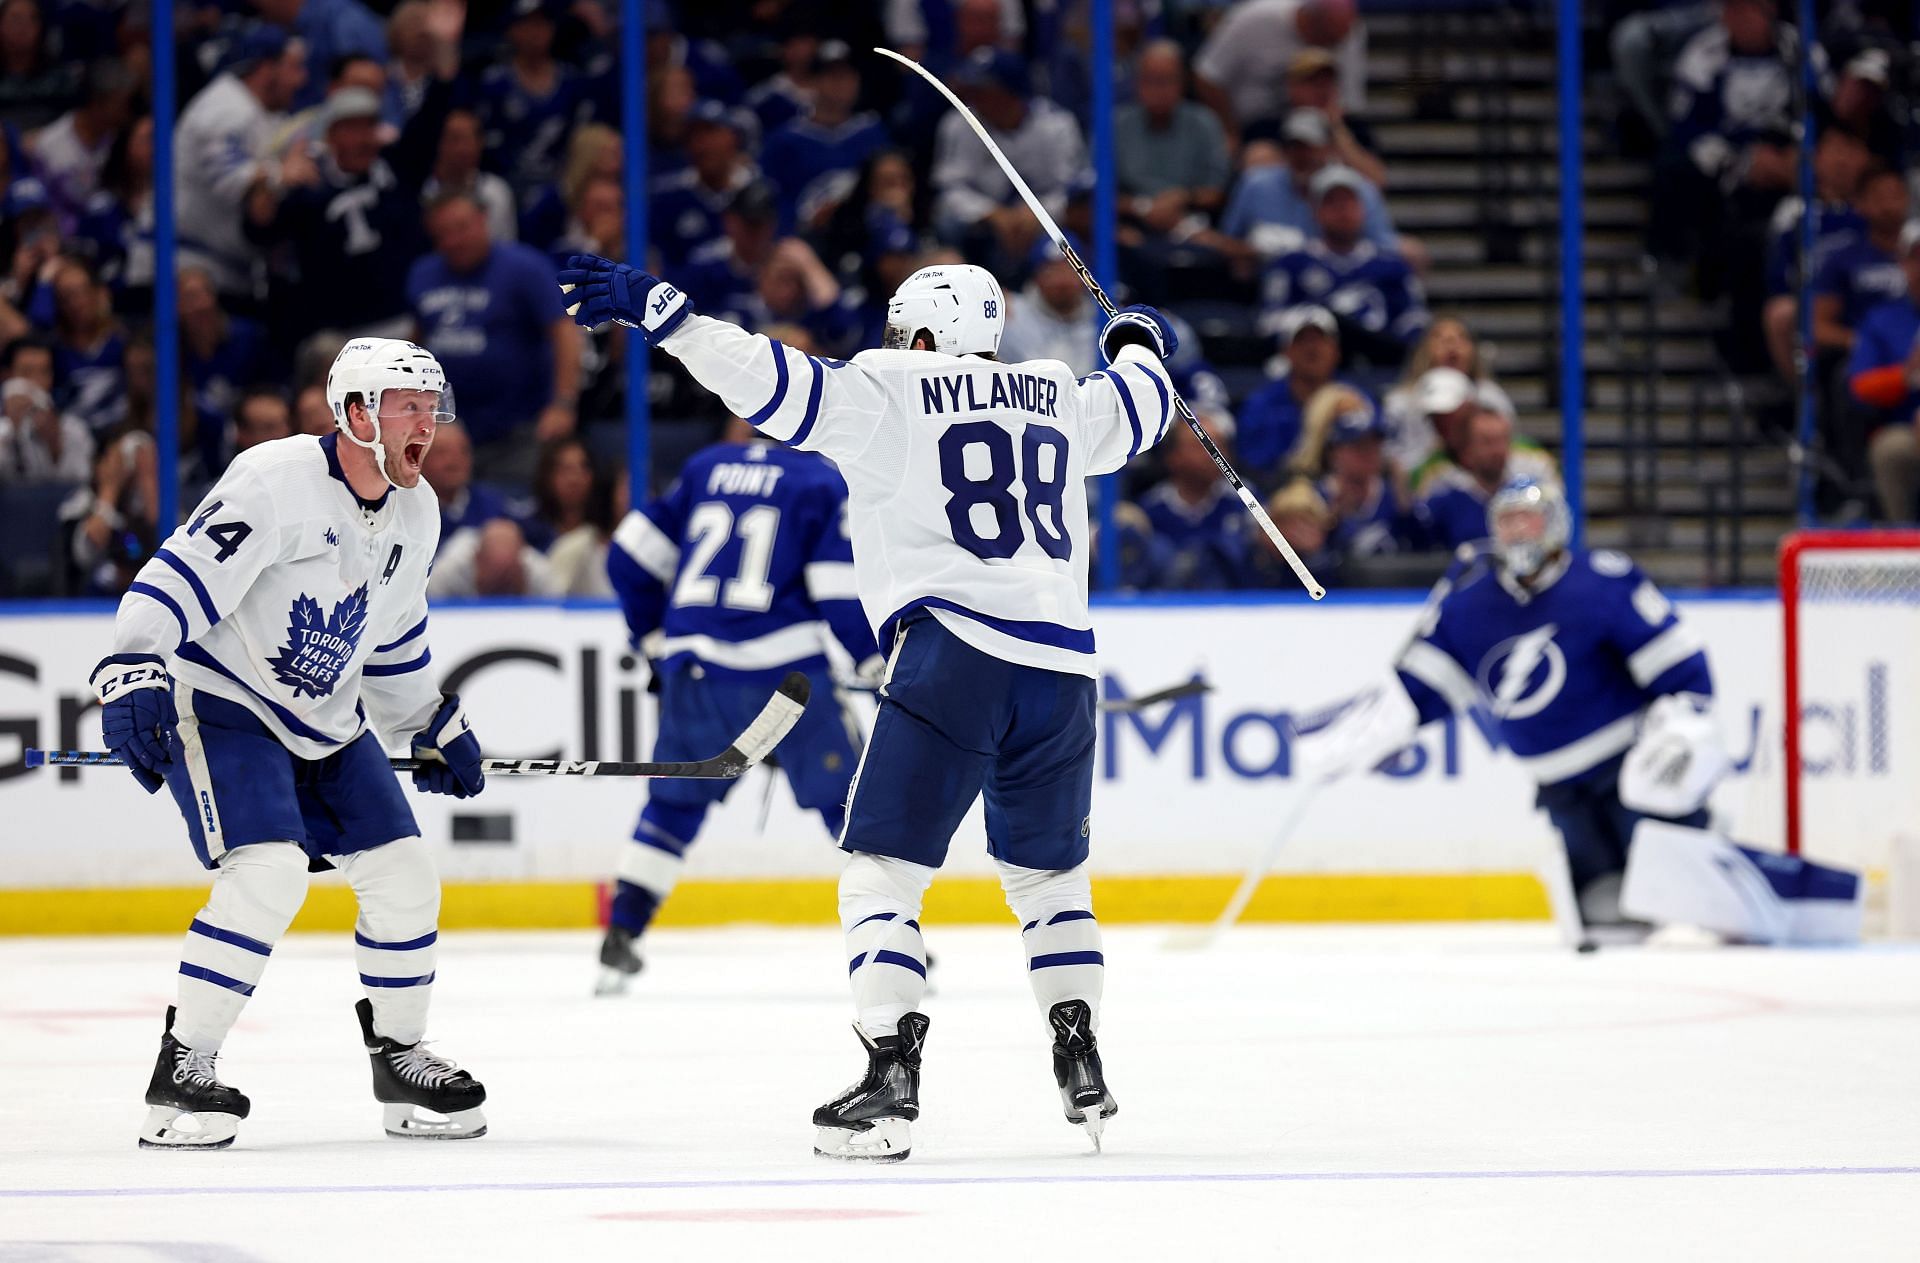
<point>612,981</point>
<point>208,1131</point>
<point>887,1140</point>
<point>412,1122</point>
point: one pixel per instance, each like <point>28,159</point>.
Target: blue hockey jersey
<point>1373,288</point>
<point>744,565</point>
<point>1564,672</point>
<point>803,156</point>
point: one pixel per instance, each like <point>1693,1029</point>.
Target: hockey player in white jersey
<point>968,510</point>
<point>258,660</point>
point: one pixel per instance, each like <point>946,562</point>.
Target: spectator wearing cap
<point>1366,506</point>
<point>685,208</point>
<point>1840,159</point>
<point>1865,272</point>
<point>1444,399</point>
<point>328,29</point>
<point>70,152</point>
<point>1451,494</point>
<point>38,442</point>
<point>1863,103</point>
<point>222,355</point>
<point>1052,318</point>
<point>1241,70</point>
<point>812,160</point>
<point>307,128</point>
<point>348,217</point>
<point>1467,378</point>
<point>1370,289</point>
<point>1170,154</point>
<point>529,103</point>
<point>1198,525</point>
<point>1883,377</point>
<point>222,150</point>
<point>1729,156</point>
<point>1313,83</point>
<point>35,85</point>
<point>118,219</point>
<point>492,315</point>
<point>456,169</point>
<point>1272,419</point>
<point>975,205</point>
<point>36,255</point>
<point>1272,208</point>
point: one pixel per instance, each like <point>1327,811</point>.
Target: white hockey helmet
<point>367,368</point>
<point>959,304</point>
<point>1524,549</point>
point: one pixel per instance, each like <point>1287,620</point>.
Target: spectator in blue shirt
<point>1370,290</point>
<point>118,219</point>
<point>1272,208</point>
<point>1864,273</point>
<point>1453,494</point>
<point>330,29</point>
<point>1196,520</point>
<point>1368,511</point>
<point>530,103</point>
<point>685,208</point>
<point>1271,419</point>
<point>812,160</point>
<point>1839,160</point>
<point>1884,381</point>
<point>492,314</point>
<point>222,356</point>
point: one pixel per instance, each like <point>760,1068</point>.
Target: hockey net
<point>1851,604</point>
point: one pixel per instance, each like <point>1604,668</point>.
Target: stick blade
<point>775,720</point>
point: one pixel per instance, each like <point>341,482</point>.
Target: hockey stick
<point>1080,269</point>
<point>773,722</point>
<point>1249,884</point>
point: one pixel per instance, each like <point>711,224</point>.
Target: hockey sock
<point>394,940</point>
<point>886,960</point>
<point>1055,907</point>
<point>650,864</point>
<point>256,891</point>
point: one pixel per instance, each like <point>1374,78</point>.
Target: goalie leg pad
<point>257,889</point>
<point>1690,876</point>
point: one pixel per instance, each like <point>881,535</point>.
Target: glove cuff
<point>665,308</point>
<point>449,723</point>
<point>118,674</point>
<point>1131,328</point>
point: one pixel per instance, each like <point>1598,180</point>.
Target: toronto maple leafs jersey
<point>966,476</point>
<point>287,593</point>
<point>744,565</point>
<point>1565,672</point>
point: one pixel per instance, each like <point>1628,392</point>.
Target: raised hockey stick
<point>773,722</point>
<point>1247,498</point>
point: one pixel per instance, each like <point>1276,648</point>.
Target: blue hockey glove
<point>137,719</point>
<point>450,753</point>
<point>599,290</point>
<point>1142,325</point>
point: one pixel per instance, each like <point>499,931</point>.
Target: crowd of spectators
<point>1716,90</point>
<point>419,169</point>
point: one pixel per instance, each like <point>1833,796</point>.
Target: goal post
<point>1850,605</point>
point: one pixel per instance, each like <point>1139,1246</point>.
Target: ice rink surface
<point>1289,1093</point>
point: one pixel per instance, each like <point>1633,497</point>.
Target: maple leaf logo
<point>319,645</point>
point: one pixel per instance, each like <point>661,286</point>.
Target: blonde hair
<point>1316,420</point>
<point>1478,367</point>
<point>1299,496</point>
<point>583,154</point>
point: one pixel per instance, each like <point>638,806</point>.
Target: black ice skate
<point>186,1084</point>
<point>619,961</point>
<point>408,1079</point>
<point>868,1121</point>
<point>1076,1069</point>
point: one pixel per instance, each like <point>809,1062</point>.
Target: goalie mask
<point>366,369</point>
<point>959,305</point>
<point>1530,525</point>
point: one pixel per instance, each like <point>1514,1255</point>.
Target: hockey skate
<point>868,1122</point>
<point>619,961</point>
<point>186,1084</point>
<point>1077,1071</point>
<point>415,1085</point>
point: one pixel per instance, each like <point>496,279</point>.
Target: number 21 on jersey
<point>709,527</point>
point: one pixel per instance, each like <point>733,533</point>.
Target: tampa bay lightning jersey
<point>966,476</point>
<point>803,157</point>
<point>1565,672</point>
<point>744,565</point>
<point>1373,288</point>
<point>287,593</point>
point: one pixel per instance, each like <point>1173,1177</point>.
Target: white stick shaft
<point>1296,812</point>
<point>1087,279</point>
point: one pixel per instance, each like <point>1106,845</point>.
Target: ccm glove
<point>137,719</point>
<point>449,753</point>
<point>1139,325</point>
<point>599,290</point>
